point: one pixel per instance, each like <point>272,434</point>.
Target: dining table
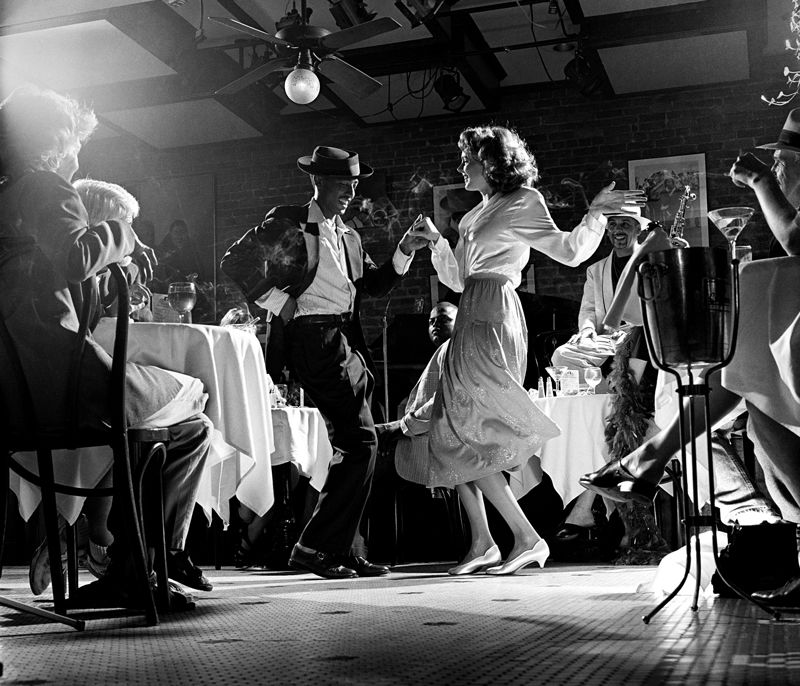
<point>301,438</point>
<point>230,364</point>
<point>580,448</point>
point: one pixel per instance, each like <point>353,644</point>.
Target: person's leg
<point>336,380</point>
<point>187,451</point>
<point>581,513</point>
<point>636,475</point>
<point>483,551</point>
<point>737,497</point>
<point>496,489</point>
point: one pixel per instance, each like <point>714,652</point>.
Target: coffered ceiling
<point>151,69</point>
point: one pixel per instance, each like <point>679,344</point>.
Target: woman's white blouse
<point>496,237</point>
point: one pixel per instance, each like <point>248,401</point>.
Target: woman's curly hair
<point>39,128</point>
<point>507,162</point>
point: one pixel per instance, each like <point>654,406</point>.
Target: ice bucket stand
<point>696,371</point>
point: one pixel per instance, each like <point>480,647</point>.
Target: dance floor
<point>566,624</point>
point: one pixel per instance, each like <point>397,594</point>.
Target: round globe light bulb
<point>301,86</point>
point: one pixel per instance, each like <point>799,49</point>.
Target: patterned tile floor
<point>566,624</point>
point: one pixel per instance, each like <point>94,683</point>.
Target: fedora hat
<point>789,138</point>
<point>636,214</point>
<point>326,161</point>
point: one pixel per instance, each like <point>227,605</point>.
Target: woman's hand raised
<point>609,201</point>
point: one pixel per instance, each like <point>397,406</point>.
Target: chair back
<point>16,391</point>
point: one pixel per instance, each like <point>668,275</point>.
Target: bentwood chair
<point>134,451</point>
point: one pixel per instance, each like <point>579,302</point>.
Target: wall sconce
<point>448,87</point>
<point>302,84</point>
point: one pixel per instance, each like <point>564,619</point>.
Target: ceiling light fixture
<point>552,8</point>
<point>448,87</point>
<point>302,84</point>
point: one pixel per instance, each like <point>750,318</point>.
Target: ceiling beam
<point>680,21</point>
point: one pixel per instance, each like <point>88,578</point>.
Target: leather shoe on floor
<point>326,565</point>
<point>614,481</point>
<point>111,592</point>
<point>180,568</point>
<point>363,567</point>
<point>572,533</point>
<point>786,597</point>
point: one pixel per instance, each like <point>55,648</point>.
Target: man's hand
<point>609,201</point>
<point>421,233</point>
<point>389,431</point>
<point>748,170</point>
<point>145,258</point>
<point>586,338</point>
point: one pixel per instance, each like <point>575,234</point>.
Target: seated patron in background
<point>47,248</point>
<point>595,344</point>
<point>315,289</point>
<point>774,420</point>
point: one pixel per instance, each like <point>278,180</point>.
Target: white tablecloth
<point>581,447</point>
<point>230,364</point>
<point>301,438</point>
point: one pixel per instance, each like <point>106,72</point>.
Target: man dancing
<point>319,305</point>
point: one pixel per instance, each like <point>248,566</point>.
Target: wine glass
<point>182,297</point>
<point>556,372</point>
<point>730,221</point>
<point>593,376</point>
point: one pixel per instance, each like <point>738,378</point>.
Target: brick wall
<point>572,136</point>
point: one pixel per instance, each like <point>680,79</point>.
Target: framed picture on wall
<point>664,180</point>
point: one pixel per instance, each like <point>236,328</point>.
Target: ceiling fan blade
<point>359,32</point>
<point>249,30</point>
<point>347,76</point>
<point>285,64</point>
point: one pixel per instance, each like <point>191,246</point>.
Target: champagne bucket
<point>687,294</point>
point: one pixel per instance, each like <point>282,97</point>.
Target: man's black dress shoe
<point>614,481</point>
<point>786,597</point>
<point>572,533</point>
<point>363,567</point>
<point>180,568</point>
<point>326,565</point>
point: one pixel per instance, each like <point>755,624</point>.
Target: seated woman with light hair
<point>48,247</point>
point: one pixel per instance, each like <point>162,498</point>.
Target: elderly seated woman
<point>41,134</point>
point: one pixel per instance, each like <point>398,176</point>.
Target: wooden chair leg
<point>123,486</point>
<point>72,559</point>
<point>50,511</point>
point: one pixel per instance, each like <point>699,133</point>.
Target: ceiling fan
<point>316,49</point>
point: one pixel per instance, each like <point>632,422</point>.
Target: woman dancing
<point>484,422</point>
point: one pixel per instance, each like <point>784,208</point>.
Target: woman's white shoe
<point>478,564</point>
<point>539,553</point>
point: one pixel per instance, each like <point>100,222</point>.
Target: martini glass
<point>730,221</point>
<point>556,372</point>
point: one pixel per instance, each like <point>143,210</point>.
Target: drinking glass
<point>730,221</point>
<point>593,376</point>
<point>182,297</point>
<point>556,373</point>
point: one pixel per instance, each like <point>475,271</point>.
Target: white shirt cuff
<point>401,262</point>
<point>596,225</point>
<point>273,301</point>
